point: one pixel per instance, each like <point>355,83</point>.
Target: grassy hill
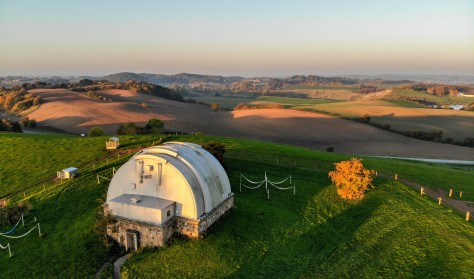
<point>394,232</point>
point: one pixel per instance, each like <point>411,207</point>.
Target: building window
<point>168,213</point>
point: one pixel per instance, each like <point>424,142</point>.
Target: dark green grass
<point>317,235</point>
<point>404,103</point>
<point>322,87</point>
<point>296,101</point>
<point>444,100</point>
<point>394,232</point>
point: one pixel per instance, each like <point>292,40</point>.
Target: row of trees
<point>154,126</point>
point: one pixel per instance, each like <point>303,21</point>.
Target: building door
<point>132,240</point>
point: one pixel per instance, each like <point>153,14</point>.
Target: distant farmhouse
<point>162,190</point>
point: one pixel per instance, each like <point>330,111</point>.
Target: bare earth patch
<point>75,113</point>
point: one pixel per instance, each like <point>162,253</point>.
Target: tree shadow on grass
<point>305,246</point>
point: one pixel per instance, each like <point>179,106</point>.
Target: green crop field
<point>444,100</point>
<point>293,101</point>
<point>322,87</point>
<point>394,232</point>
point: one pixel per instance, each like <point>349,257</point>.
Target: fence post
<point>268,193</point>
<point>98,181</point>
<point>241,183</point>
<point>440,200</point>
<point>294,190</point>
<point>450,192</point>
<point>39,229</point>
<point>9,251</point>
<point>396,176</point>
<point>422,191</point>
<point>468,216</point>
<point>460,194</point>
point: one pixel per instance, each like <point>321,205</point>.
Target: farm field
<point>445,100</point>
<point>310,234</point>
<point>75,113</point>
<point>405,116</point>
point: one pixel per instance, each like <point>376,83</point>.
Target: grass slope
<point>392,233</point>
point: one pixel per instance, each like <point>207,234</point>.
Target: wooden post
<point>468,216</point>
<point>440,200</point>
<point>107,160</point>
<point>422,191</point>
<point>450,192</point>
<point>268,193</point>
<point>241,183</point>
<point>9,251</point>
<point>39,229</point>
<point>290,178</point>
<point>98,181</point>
<point>396,176</point>
<point>24,195</point>
<point>460,194</point>
<point>376,174</point>
<point>294,190</point>
<point>22,220</point>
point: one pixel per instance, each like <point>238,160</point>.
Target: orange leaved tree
<point>351,179</point>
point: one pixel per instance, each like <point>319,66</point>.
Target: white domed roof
<point>188,175</point>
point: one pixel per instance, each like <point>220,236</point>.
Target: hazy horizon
<point>249,39</point>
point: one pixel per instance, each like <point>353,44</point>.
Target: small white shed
<point>67,173</point>
<point>112,143</point>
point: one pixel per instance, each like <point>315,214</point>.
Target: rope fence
<point>267,182</point>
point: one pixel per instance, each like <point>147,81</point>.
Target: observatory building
<point>177,187</point>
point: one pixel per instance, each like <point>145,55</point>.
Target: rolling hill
<point>394,232</point>
<point>75,113</point>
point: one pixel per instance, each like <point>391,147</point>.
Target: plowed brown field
<point>76,113</point>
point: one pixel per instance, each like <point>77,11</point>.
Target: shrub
<point>330,149</point>
<point>217,149</point>
<point>215,106</point>
<point>96,132</point>
<point>351,179</point>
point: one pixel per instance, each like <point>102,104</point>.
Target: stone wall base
<point>155,235</point>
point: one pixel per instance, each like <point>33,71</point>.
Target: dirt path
<point>460,206</point>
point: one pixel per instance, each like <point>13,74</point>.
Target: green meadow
<point>393,232</point>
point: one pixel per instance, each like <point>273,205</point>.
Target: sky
<point>246,38</point>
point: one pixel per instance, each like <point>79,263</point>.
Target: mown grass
<point>394,232</point>
<point>317,235</point>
